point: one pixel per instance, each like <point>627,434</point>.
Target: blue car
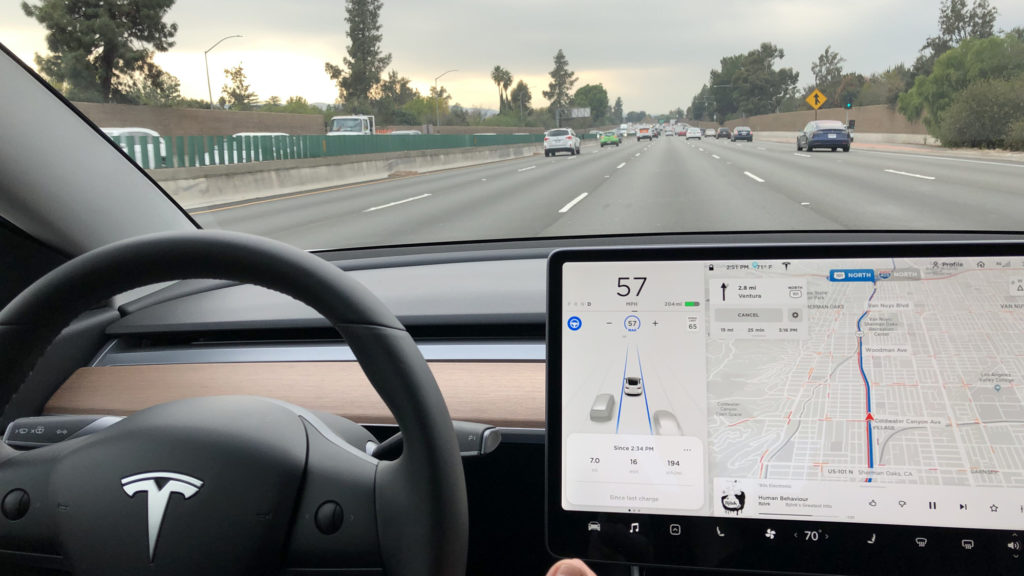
<point>824,134</point>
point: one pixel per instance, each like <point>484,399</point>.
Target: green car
<point>610,137</point>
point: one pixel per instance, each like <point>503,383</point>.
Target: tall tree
<point>617,110</point>
<point>635,116</point>
<point>237,93</point>
<point>96,45</point>
<point>391,96</point>
<point>520,98</point>
<point>152,88</point>
<point>745,85</point>
<point>595,97</point>
<point>957,22</point>
<point>828,69</point>
<point>559,91</point>
<point>973,61</point>
<point>498,76</point>
<point>506,83</point>
<point>365,61</point>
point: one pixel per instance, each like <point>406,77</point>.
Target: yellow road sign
<point>816,99</point>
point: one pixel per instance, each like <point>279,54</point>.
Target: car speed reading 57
<point>786,391</point>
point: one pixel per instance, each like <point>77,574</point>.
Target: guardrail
<point>193,151</point>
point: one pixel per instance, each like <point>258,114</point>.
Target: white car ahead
<point>561,140</point>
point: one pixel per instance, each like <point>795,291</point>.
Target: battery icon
<point>692,304</point>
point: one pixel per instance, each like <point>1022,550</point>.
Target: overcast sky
<point>655,54</point>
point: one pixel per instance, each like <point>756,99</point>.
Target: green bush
<point>981,115</point>
<point>1015,135</point>
<point>973,61</point>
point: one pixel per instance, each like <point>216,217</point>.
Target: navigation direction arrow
<point>870,417</point>
<point>724,286</point>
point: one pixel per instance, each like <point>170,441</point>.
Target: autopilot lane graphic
<point>634,416</point>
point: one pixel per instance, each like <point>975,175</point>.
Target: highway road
<point>669,185</point>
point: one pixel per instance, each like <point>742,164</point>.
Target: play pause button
<point>963,506</point>
<point>933,506</point>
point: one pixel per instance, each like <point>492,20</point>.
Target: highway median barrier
<point>199,187</point>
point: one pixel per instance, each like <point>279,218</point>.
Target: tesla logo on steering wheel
<point>159,486</point>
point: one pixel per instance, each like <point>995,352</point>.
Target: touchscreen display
<point>884,391</point>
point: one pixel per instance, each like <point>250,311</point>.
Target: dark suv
<point>723,132</point>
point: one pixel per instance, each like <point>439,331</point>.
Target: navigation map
<point>909,377</point>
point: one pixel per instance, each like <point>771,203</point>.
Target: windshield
<point>237,109</point>
<point>346,125</point>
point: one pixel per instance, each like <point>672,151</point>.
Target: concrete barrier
<point>208,186</point>
<point>863,138</point>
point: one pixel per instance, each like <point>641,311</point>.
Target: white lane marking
<point>525,169</point>
<point>607,176</point>
<point>396,203</point>
<point>574,201</point>
<point>753,177</point>
<point>801,155</point>
<point>701,149</point>
<point>926,157</point>
<point>805,203</point>
<point>761,148</point>
<point>483,179</point>
<point>715,156</point>
<point>637,155</point>
<point>921,176</point>
<point>620,165</point>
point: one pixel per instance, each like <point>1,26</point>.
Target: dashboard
<point>792,408</point>
<point>479,313</point>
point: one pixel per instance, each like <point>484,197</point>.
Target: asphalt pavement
<point>668,185</point>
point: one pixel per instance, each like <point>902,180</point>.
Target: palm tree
<point>498,76</point>
<point>506,83</point>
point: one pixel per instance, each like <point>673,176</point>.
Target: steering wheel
<point>232,485</point>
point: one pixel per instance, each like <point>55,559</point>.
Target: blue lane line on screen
<point>622,390</point>
<point>643,383</point>
<point>867,384</point>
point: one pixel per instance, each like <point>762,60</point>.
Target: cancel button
<point>748,315</point>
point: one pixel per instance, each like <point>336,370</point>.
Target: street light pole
<point>437,110</point>
<point>206,61</point>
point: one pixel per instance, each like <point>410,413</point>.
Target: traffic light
<point>849,103</point>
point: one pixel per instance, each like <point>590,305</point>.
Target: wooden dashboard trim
<point>498,393</point>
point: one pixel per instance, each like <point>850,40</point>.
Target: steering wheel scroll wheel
<point>231,485</point>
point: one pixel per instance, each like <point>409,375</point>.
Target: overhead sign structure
<point>579,112</point>
<point>816,99</point>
